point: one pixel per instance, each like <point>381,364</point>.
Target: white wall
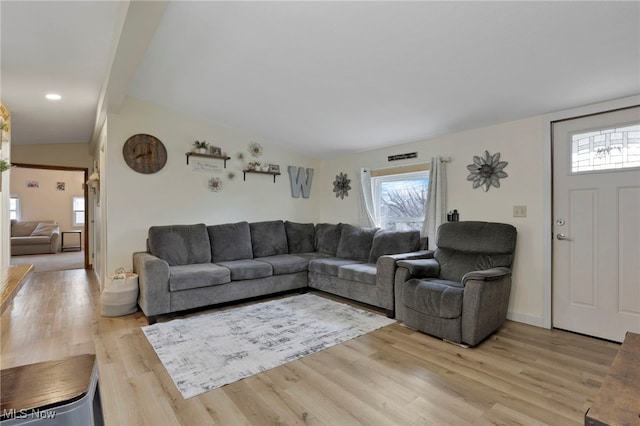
<point>177,194</point>
<point>521,143</point>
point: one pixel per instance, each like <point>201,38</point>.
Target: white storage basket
<point>120,294</point>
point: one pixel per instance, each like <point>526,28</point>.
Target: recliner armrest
<point>421,268</point>
<point>486,275</point>
<point>386,267</point>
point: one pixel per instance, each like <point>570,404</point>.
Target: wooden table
<point>11,281</point>
<point>618,400</point>
<point>61,392</point>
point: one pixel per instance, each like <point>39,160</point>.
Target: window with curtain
<point>399,198</point>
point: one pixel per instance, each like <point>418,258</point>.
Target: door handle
<point>561,237</point>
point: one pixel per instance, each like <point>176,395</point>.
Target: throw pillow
<point>300,237</point>
<point>393,242</point>
<point>355,242</point>
<point>44,229</point>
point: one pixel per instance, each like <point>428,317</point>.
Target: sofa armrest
<point>54,241</point>
<point>386,267</point>
<point>153,280</point>
<point>421,268</point>
<point>485,303</point>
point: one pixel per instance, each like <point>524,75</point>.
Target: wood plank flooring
<point>522,375</point>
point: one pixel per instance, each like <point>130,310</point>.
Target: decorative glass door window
<point>606,149</point>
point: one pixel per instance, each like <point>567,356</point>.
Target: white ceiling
<point>324,78</point>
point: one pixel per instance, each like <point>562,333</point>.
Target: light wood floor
<point>522,375</point>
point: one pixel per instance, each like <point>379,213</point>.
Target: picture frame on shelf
<point>274,168</point>
<point>215,150</point>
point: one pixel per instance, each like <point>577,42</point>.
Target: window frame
<point>74,211</point>
<point>17,209</point>
<point>376,189</point>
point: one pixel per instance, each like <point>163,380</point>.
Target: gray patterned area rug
<point>208,351</point>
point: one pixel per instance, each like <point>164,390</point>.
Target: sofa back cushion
<point>355,242</point>
<point>300,237</point>
<point>180,244</point>
<point>268,238</point>
<point>393,242</point>
<point>327,237</point>
<point>22,229</point>
<point>230,241</point>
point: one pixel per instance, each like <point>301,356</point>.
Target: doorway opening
<point>58,194</point>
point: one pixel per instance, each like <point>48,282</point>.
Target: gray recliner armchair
<point>461,294</point>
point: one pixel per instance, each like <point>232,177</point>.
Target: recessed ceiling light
<point>53,96</point>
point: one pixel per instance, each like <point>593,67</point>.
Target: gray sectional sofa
<point>193,266</point>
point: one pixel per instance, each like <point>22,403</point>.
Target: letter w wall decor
<point>300,182</point>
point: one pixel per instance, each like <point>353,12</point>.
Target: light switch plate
<point>519,211</point>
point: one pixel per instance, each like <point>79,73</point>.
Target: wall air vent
<point>402,156</point>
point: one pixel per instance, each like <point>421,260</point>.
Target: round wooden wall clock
<point>144,153</point>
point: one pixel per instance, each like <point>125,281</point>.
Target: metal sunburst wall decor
<point>487,171</point>
<point>341,186</point>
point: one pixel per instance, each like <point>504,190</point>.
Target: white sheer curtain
<point>367,211</point>
<point>436,205</point>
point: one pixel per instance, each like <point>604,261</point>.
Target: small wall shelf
<point>244,172</point>
<point>215,157</point>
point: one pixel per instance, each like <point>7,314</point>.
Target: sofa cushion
<point>329,266</point>
<point>362,272</point>
<point>23,241</point>
<point>313,255</point>
<point>285,263</point>
<point>300,237</point>
<point>247,269</point>
<point>438,298</point>
<point>230,241</point>
<point>268,238</point>
<point>185,277</point>
<point>180,244</point>
<point>355,242</point>
<point>22,229</point>
<point>327,237</point>
<point>393,242</point>
<point>44,230</point>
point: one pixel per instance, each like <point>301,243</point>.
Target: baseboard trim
<point>526,319</point>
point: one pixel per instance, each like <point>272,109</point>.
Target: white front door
<point>596,224</point>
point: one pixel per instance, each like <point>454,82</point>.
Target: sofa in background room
<point>34,237</point>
